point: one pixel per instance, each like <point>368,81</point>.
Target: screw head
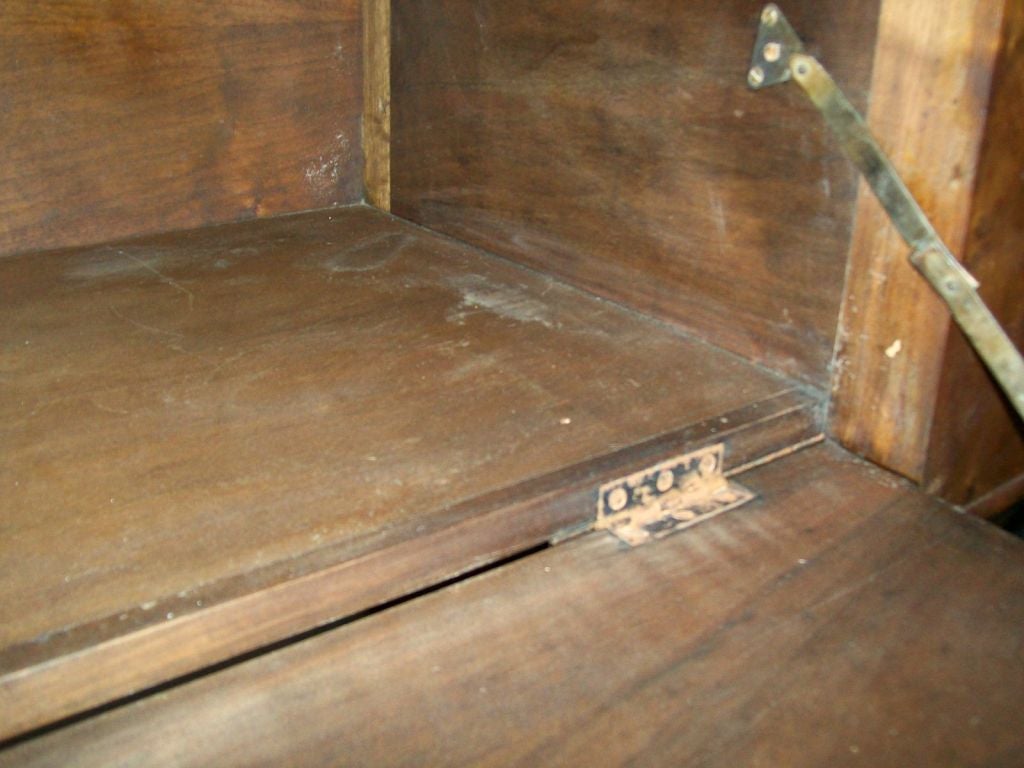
<point>772,52</point>
<point>617,499</point>
<point>708,463</point>
<point>755,76</point>
<point>665,481</point>
<point>770,15</point>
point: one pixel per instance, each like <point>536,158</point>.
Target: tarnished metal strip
<point>777,58</point>
<point>975,319</point>
<point>671,495</point>
<point>863,151</point>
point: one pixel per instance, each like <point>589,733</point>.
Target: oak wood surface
<point>209,438</point>
<point>120,118</point>
<point>617,145</point>
<point>930,99</point>
<point>843,618</point>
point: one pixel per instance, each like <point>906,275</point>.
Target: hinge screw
<point>618,499</point>
<point>769,15</point>
<point>755,76</point>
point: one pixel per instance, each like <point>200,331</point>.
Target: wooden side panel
<point>843,619</point>
<point>616,144</point>
<point>377,102</point>
<point>122,117</point>
<point>929,98</point>
<point>977,442</point>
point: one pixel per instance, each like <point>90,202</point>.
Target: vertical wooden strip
<point>976,454</point>
<point>377,102</point>
<point>929,96</point>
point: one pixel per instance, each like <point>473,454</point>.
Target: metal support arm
<point>778,57</point>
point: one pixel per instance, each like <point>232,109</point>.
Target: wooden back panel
<point>120,118</point>
<point>617,145</point>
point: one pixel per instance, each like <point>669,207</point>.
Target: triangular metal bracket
<point>776,43</point>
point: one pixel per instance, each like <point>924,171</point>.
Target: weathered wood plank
<point>842,619</point>
<point>120,118</point>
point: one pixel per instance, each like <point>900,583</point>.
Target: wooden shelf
<point>211,437</point>
<point>844,618</point>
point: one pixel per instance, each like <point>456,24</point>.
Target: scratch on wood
<point>227,361</point>
<point>369,254</point>
<point>143,326</point>
<point>166,280</point>
<point>718,214</point>
<point>106,409</point>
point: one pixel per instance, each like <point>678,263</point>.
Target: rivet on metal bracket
<point>776,42</point>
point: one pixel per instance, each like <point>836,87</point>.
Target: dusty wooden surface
<point>617,144</point>
<point>977,443</point>
<point>121,118</point>
<point>189,419</point>
<point>946,106</point>
<point>377,102</point>
<point>843,619</point>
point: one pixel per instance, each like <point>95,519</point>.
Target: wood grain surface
<point>842,619</point>
<point>977,442</point>
<point>120,118</point>
<point>211,437</point>
<point>929,103</point>
<point>377,102</point>
<point>617,145</point>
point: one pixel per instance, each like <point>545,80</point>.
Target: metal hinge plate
<point>669,496</point>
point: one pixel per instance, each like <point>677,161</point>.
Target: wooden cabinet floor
<point>214,440</point>
<point>843,618</point>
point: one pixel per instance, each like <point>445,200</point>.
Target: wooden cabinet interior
<point>777,635</point>
<point>251,412</point>
<point>223,436</point>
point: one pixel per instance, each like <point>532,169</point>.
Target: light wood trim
<point>929,97</point>
<point>377,102</point>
